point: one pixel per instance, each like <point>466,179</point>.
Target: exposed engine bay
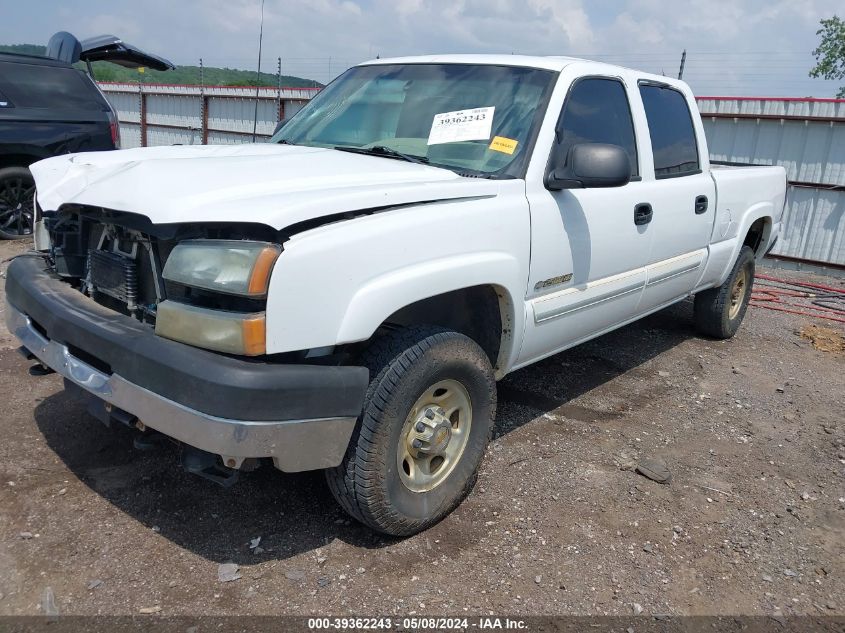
<point>117,259</point>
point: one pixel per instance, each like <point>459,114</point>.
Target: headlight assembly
<point>225,266</point>
<point>229,266</point>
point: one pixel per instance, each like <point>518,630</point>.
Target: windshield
<point>477,119</point>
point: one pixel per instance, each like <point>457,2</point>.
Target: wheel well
<point>754,237</point>
<point>481,312</point>
<point>17,160</point>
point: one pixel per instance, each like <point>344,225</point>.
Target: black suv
<point>48,107</point>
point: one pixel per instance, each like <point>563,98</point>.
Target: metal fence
<point>806,136</point>
<point>158,114</point>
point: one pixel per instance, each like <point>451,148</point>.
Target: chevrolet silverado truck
<point>346,296</point>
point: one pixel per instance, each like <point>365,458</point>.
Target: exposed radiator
<point>114,275</point>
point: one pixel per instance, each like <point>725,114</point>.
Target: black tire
<point>403,365</point>
<point>716,314</point>
<point>17,188</point>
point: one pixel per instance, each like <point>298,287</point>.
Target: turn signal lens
<point>254,335</point>
<point>259,280</point>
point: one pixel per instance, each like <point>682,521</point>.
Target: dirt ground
<point>753,521</point>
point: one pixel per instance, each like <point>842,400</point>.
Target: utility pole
<point>258,74</point>
<point>142,101</point>
<point>683,62</point>
<point>203,109</point>
<point>279,108</point>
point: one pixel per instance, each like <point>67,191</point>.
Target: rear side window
<point>673,139</point>
<point>597,111</point>
<point>34,86</point>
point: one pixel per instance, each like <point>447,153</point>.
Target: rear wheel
<point>17,189</point>
<point>719,311</point>
<point>427,418</point>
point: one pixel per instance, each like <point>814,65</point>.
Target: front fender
<point>393,290</point>
<point>338,283</point>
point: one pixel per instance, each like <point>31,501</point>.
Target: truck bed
<point>740,189</point>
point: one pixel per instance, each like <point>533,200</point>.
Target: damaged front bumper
<point>301,416</point>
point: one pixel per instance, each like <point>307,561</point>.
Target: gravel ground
<point>559,523</point>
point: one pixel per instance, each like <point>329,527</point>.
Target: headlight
<point>226,266</point>
<point>230,266</point>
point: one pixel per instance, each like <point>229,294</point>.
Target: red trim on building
<point>804,99</point>
<point>271,88</point>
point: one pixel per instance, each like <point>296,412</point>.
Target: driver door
<point>590,247</point>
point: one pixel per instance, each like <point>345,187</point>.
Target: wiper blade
<point>473,174</point>
<point>386,152</point>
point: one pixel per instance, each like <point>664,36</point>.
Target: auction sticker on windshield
<point>461,125</point>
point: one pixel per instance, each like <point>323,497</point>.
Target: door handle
<point>642,214</point>
<point>700,205</point>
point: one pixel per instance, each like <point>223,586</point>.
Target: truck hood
<point>276,185</point>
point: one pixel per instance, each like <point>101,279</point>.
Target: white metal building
<point>807,137</point>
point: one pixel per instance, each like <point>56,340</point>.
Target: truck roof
<point>555,63</point>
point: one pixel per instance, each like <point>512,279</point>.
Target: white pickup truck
<point>345,296</point>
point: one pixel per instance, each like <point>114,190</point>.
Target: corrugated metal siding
<point>830,108</point>
<point>228,138</point>
<point>236,115</point>
<point>169,136</point>
<point>181,111</point>
<point>130,135</point>
<point>814,226</point>
<point>128,106</point>
<point>174,114</point>
<point>811,150</point>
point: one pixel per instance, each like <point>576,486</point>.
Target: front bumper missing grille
<point>294,445</point>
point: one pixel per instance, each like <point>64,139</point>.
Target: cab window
<point>672,134</point>
<point>597,111</point>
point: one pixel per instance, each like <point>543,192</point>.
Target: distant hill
<point>23,49</point>
<point>104,71</point>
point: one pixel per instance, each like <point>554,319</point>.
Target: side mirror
<point>589,165</point>
<point>279,126</point>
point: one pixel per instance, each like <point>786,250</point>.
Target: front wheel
<point>427,418</point>
<point>719,311</point>
<point>17,191</point>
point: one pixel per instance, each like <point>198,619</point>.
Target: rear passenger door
<point>683,197</point>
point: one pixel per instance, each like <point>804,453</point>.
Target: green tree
<point>830,55</point>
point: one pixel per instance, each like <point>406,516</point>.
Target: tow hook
<point>38,369</point>
<point>147,440</point>
<point>208,466</point>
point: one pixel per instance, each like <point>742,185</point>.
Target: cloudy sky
<point>742,47</point>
